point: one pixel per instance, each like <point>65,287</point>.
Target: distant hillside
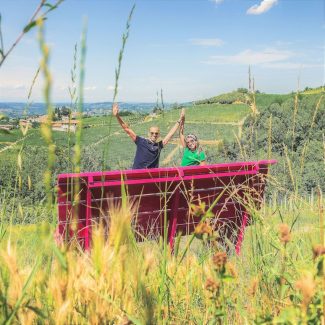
<point>313,91</point>
<point>19,109</point>
<point>265,100</point>
<point>241,95</point>
<point>235,97</point>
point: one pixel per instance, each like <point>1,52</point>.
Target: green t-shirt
<point>192,158</point>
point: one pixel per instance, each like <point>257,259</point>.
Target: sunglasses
<point>154,133</point>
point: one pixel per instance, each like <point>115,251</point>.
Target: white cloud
<point>263,7</point>
<point>217,1</point>
<point>19,86</point>
<point>111,87</point>
<point>252,57</point>
<point>268,58</point>
<point>90,88</point>
<point>206,41</point>
<point>12,86</point>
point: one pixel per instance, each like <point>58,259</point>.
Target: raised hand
<point>115,109</point>
<point>182,115</point>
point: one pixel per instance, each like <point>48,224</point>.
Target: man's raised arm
<point>174,128</point>
<point>124,126</point>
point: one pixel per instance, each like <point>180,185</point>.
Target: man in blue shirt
<point>148,149</point>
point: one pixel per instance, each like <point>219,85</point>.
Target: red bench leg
<point>173,222</point>
<point>240,235</point>
<point>88,221</point>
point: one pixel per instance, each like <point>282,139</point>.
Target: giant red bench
<point>230,191</point>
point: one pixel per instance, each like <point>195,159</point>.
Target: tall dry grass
<point>278,278</point>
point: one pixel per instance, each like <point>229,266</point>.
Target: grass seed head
<point>231,269</point>
<point>318,250</point>
<point>125,321</point>
<point>203,228</point>
<point>253,287</point>
<point>306,285</point>
<point>198,210</point>
<point>219,260</point>
<point>284,233</point>
<point>148,262</point>
<point>212,285</point>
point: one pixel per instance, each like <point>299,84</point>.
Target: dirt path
<point>105,137</point>
<point>239,123</point>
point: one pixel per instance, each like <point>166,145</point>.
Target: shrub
<point>296,136</point>
<point>242,90</point>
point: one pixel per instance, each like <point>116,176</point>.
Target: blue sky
<point>192,49</point>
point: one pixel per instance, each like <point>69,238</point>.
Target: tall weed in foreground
<point>125,37</point>
<point>46,127</point>
<point>38,15</point>
<point>77,146</point>
<point>73,99</point>
<point>11,204</point>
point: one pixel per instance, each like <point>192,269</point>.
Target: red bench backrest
<point>161,192</point>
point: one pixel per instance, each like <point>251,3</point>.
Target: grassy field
<point>274,280</point>
<point>277,279</point>
<point>265,100</point>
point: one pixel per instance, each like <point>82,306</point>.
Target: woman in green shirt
<point>193,154</point>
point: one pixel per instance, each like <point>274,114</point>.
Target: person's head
<point>192,142</point>
<point>154,133</point>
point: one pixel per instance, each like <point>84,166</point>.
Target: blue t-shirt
<point>147,154</point>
